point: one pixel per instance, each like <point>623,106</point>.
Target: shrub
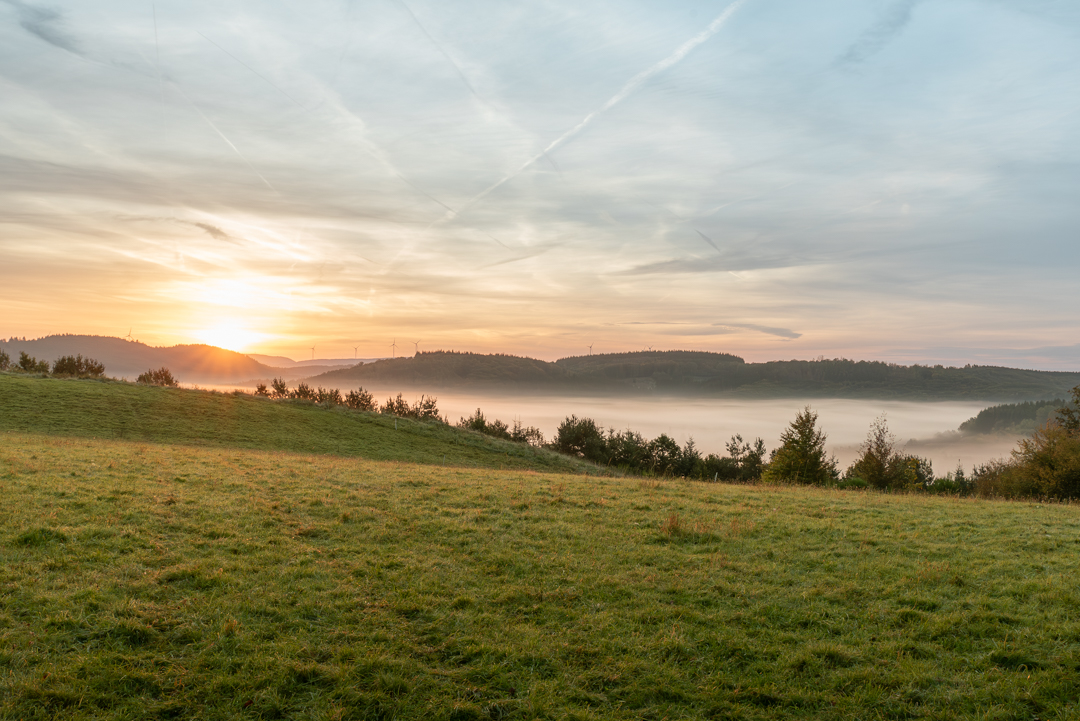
<point>880,465</point>
<point>5,361</point>
<point>279,389</point>
<point>1049,462</point>
<point>30,364</point>
<point>801,455</point>
<point>425,409</point>
<point>1001,478</point>
<point>1069,416</point>
<point>360,400</point>
<point>78,366</point>
<point>303,392</point>
<point>329,396</point>
<point>396,407</point>
<point>749,459</point>
<point>498,429</point>
<point>526,434</point>
<point>581,438</point>
<point>262,391</point>
<point>160,377</point>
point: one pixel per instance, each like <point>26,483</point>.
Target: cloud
<point>45,23</point>
<point>768,330</point>
<point>876,37</point>
<point>214,232</point>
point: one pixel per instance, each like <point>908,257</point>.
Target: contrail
<point>633,84</point>
<point>708,240</point>
<point>263,77</point>
<point>230,143</point>
<point>157,64</point>
<point>439,47</point>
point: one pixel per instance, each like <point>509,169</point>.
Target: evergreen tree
<point>801,455</point>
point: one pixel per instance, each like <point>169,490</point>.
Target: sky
<point>875,179</point>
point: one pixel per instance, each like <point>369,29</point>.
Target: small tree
<point>801,455</point>
<point>426,409</point>
<point>78,366</point>
<point>160,377</point>
<point>580,437</point>
<point>30,364</point>
<point>262,391</point>
<point>1069,416</point>
<point>396,407</point>
<point>5,361</point>
<point>303,392</point>
<point>526,434</point>
<point>360,400</point>
<point>279,389</point>
<point>329,396</point>
<point>880,465</point>
<point>749,459</point>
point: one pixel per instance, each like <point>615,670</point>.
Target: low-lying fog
<point>925,429</point>
<point>712,422</point>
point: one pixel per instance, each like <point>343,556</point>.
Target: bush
<point>78,366</point>
<point>526,434</point>
<point>360,400</point>
<point>303,392</point>
<point>881,466</point>
<point>1000,478</point>
<point>278,388</point>
<point>425,409</point>
<point>30,364</point>
<point>801,455</point>
<point>330,396</point>
<point>581,438</point>
<point>5,361</point>
<point>396,407</point>
<point>160,377</point>
<point>262,391</point>
<point>1049,462</point>
<point>497,429</point>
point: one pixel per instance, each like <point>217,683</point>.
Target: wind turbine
<point>354,349</point>
<point>394,346</point>
<point>128,336</point>
<point>312,352</point>
<point>416,350</point>
<point>590,348</point>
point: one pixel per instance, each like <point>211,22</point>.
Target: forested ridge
<point>709,374</point>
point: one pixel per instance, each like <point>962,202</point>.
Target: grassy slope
<point>141,580</point>
<point>125,411</point>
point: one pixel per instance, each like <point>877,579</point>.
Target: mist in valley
<point>925,429</point>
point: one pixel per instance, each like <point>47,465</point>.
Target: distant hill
<point>449,369</point>
<point>702,374</point>
<point>127,359</point>
<point>280,361</point>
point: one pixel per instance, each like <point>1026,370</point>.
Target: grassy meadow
<point>144,580</point>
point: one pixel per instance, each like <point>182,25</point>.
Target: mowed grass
<point>109,409</point>
<point>154,581</point>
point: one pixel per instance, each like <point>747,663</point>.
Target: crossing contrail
<point>633,84</point>
<point>223,137</point>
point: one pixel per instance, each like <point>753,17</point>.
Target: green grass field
<point>105,409</point>
<point>142,580</point>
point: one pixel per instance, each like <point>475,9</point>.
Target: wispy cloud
<point>880,34</point>
<point>46,23</point>
<point>785,333</point>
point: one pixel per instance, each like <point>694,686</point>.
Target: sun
<point>231,335</point>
